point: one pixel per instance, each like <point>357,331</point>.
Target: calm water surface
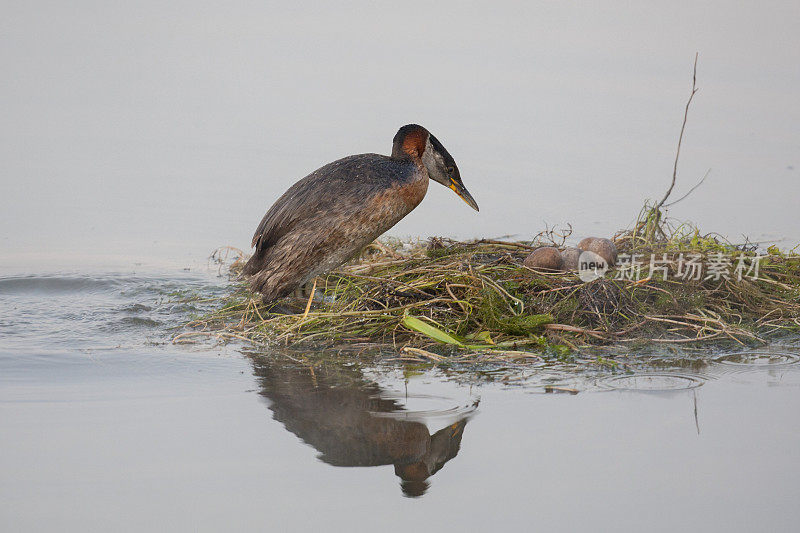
<point>137,137</point>
<point>108,426</point>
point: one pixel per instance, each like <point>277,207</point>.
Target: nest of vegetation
<point>478,301</point>
<point>447,298</point>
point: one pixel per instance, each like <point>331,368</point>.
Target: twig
<point>310,299</point>
<point>680,138</point>
<point>506,243</point>
<point>699,183</point>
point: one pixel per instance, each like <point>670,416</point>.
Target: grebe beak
<point>458,187</point>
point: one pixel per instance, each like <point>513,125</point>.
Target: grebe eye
<point>450,170</point>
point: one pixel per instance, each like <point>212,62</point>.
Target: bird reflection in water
<point>342,414</point>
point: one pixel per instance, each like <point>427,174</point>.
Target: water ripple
<point>652,382</point>
<point>425,407</point>
<point>758,359</point>
<point>82,311</point>
<point>55,284</point>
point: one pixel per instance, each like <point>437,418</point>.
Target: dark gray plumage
<point>327,217</point>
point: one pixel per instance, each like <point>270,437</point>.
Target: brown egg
<point>605,248</point>
<point>545,258</point>
<point>570,257</point>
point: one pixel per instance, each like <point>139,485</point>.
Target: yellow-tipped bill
<point>458,188</point>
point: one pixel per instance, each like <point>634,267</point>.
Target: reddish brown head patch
<point>410,141</point>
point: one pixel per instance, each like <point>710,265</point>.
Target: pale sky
<point>164,130</point>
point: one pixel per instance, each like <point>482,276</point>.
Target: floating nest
<point>477,300</point>
<point>444,298</point>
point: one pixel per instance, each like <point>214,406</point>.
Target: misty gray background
<point>154,132</point>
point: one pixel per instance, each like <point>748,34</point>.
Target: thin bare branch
<point>680,138</point>
<point>699,183</point>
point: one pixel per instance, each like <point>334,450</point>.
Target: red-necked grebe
<point>327,217</point>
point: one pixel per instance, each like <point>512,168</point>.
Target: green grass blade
<point>428,330</point>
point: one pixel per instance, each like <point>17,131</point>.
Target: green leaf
<point>482,336</point>
<point>433,332</point>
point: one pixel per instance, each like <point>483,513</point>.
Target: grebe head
<point>419,144</point>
